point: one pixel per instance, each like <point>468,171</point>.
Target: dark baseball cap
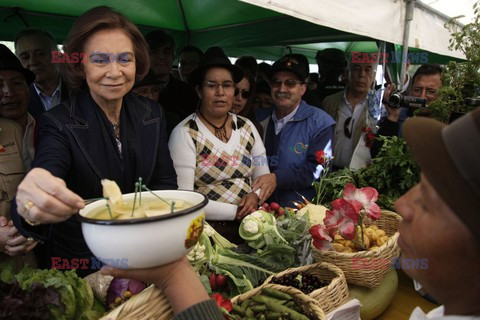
<point>294,63</point>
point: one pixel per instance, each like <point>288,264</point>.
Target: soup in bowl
<point>151,235</point>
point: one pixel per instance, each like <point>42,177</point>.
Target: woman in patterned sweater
<point>218,153</point>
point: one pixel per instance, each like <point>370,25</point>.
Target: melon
<point>375,300</point>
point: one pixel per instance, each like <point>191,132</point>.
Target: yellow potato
<point>369,232</point>
<point>126,208</point>
<point>372,248</point>
<point>366,241</point>
<point>382,240</point>
<point>112,191</point>
<point>338,247</point>
<point>380,233</point>
<point>349,244</point>
<point>158,204</point>
<point>373,227</point>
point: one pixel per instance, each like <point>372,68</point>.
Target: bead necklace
<point>220,132</point>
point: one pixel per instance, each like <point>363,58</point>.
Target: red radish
<point>221,280</point>
<point>274,206</point>
<point>280,212</point>
<point>213,282</point>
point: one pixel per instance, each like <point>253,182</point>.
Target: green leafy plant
<point>460,80</point>
<point>393,172</point>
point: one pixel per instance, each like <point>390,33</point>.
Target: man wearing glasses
<point>293,133</point>
<point>349,108</point>
<point>426,82</point>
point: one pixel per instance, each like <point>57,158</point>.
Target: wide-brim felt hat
<point>295,63</point>
<point>449,156</point>
<point>214,57</point>
<point>8,61</point>
<point>332,58</point>
<point>149,79</point>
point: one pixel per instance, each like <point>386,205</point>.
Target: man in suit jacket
<point>349,109</point>
<point>34,48</point>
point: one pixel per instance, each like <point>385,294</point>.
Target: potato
<point>380,233</point>
<point>373,248</point>
<point>382,240</point>
<point>349,244</point>
<point>366,241</point>
<point>369,232</point>
<point>338,247</point>
<point>373,227</point>
<point>339,239</point>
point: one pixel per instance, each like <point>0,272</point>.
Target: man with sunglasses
<point>426,82</point>
<point>293,133</point>
<point>349,108</point>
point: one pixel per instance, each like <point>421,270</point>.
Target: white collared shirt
<point>343,146</point>
<point>438,314</point>
<point>50,102</point>
<point>279,124</point>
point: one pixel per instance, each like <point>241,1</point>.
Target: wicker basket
<point>367,277</point>
<point>150,304</point>
<point>329,297</point>
<point>309,305</point>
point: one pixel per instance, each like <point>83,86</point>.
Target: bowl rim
<point>183,212</point>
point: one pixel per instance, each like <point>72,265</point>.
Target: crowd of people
<point>241,134</point>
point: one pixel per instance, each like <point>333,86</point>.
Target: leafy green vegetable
<point>36,303</point>
<point>332,186</point>
<point>393,172</point>
<point>75,295</point>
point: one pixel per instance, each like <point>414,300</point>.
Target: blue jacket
<point>310,130</point>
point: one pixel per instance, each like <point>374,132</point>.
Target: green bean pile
<point>271,304</point>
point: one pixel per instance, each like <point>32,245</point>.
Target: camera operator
<point>426,82</point>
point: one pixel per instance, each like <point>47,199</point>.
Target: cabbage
<point>316,213</point>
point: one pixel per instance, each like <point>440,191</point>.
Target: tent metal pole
<point>410,8</point>
<point>184,21</point>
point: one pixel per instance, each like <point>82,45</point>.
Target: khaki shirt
<point>11,165</point>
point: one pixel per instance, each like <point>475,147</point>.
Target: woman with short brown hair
<point>103,132</point>
<point>102,18</point>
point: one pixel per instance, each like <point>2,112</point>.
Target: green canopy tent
<point>238,27</point>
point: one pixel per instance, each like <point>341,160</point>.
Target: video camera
<point>398,100</point>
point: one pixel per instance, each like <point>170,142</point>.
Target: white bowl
<point>145,242</point>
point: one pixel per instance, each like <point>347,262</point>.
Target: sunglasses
<point>346,127</point>
<point>289,83</point>
<point>244,93</point>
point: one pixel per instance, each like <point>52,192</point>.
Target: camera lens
<point>395,100</point>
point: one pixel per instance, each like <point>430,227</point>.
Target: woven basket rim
<point>365,277</point>
<point>328,297</point>
<point>308,302</point>
<point>157,307</point>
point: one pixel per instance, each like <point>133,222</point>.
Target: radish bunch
<point>274,208</point>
